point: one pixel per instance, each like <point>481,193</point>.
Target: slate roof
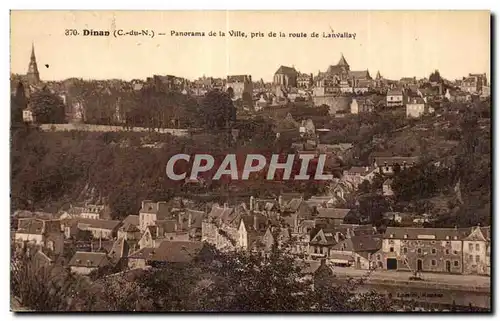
<point>332,213</point>
<point>101,224</point>
<point>363,74</point>
<point>438,233</point>
<point>395,92</point>
<point>286,70</point>
<point>131,219</point>
<point>30,226</point>
<point>89,259</point>
<point>177,251</point>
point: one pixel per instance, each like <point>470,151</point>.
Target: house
<point>130,228</point>
<point>476,251</point>
<point>331,216</point>
<point>323,241</point>
<point>151,211</point>
<point>387,188</point>
<point>422,249</point>
<point>395,98</point>
<point>361,105</point>
<point>415,107</point>
<point>42,233</point>
<point>100,229</point>
<point>387,165</point>
<point>398,217</point>
<point>119,251</point>
<point>28,116</point>
<point>169,252</point>
<point>163,230</point>
<point>457,96</point>
<point>251,230</point>
<point>357,174</point>
<point>93,211</point>
<point>241,86</point>
<point>191,221</point>
<point>221,226</point>
<point>359,249</point>
<point>84,263</point>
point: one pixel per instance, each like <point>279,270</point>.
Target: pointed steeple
<point>342,61</point>
<point>378,75</point>
<point>33,74</point>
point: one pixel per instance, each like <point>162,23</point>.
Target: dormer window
<point>455,237</point>
<point>447,237</point>
<point>406,236</point>
<point>392,235</point>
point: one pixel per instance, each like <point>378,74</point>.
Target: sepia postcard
<point>250,161</point>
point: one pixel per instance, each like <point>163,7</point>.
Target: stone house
<point>84,263</point>
<point>331,216</point>
<point>422,249</point>
<point>221,226</point>
<point>241,86</point>
<point>151,211</point>
<point>386,165</point>
<point>476,250</point>
<point>357,174</point>
<point>42,233</point>
<point>100,229</point>
<point>395,98</point>
<point>130,228</point>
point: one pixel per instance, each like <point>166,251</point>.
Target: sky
<point>396,43</point>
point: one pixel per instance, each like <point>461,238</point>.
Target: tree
<point>435,77</point>
<point>47,107</point>
<point>217,110</point>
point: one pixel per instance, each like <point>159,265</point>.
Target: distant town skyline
<point>396,43</point>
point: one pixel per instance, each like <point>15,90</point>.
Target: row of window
<point>419,251</point>
<point>471,247</point>
<point>447,237</point>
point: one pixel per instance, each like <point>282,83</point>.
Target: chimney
<point>323,262</point>
<point>176,226</point>
<point>255,225</point>
<point>280,201</point>
<point>252,200</point>
<point>190,219</point>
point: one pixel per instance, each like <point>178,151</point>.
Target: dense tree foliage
<point>47,107</point>
<point>219,282</point>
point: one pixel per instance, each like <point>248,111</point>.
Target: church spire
<point>33,74</point>
<point>342,61</point>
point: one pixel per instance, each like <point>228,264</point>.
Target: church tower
<point>33,75</point>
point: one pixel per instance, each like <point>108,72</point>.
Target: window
<point>455,263</point>
<point>391,249</point>
<point>455,252</point>
<point>470,257</point>
<point>405,250</point>
<point>477,247</point>
<point>378,257</point>
<point>419,251</point>
<point>471,247</point>
<point>447,237</point>
<point>433,262</point>
<point>406,236</point>
<point>478,259</point>
<point>447,251</point>
<point>433,251</point>
<point>455,237</point>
